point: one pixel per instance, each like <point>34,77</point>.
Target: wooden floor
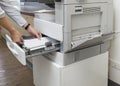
<point>12,73</point>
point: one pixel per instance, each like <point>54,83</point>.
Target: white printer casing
<point>78,25</point>
<point>83,29</point>
<point>95,16</point>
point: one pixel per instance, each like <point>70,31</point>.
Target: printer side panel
<point>82,21</point>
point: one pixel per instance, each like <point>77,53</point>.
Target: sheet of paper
<point>32,43</point>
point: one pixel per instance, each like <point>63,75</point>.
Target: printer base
<point>92,71</point>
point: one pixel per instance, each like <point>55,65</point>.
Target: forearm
<point>16,16</point>
<point>5,23</point>
<point>15,35</point>
<point>12,12</point>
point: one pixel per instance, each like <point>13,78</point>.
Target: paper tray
<point>22,53</point>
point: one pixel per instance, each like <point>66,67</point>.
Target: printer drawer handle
<point>12,49</point>
<point>10,45</point>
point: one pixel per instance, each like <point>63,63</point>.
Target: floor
<point>12,73</point>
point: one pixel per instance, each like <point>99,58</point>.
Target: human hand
<point>34,32</point>
<point>16,37</point>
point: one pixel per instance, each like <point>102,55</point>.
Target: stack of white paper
<point>34,43</point>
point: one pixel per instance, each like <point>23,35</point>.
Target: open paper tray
<point>43,49</point>
<point>21,53</point>
<point>41,52</point>
<point>93,42</point>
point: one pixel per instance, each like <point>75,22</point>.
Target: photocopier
<point>76,51</point>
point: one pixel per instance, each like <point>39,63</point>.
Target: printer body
<point>78,56</point>
<point>84,29</point>
<point>78,25</point>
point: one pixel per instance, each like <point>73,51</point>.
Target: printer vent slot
<point>91,10</point>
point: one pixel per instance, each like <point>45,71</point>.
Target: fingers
<point>38,35</point>
<point>21,40</point>
<point>16,37</point>
<point>34,32</point>
<point>18,40</point>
